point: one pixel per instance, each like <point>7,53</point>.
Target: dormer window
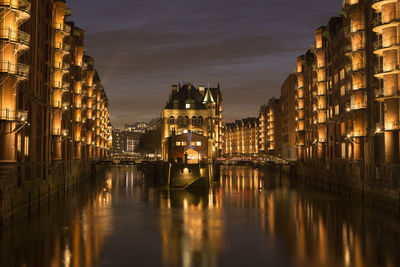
<point>187,106</point>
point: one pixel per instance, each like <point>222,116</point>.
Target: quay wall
<point>352,178</point>
<point>25,188</point>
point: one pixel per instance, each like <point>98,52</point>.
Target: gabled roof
<point>186,93</point>
<point>208,98</point>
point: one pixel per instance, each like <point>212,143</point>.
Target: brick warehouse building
<point>348,101</point>
<point>53,109</point>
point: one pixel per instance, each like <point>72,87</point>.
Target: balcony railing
<point>15,36</point>
<point>354,28</point>
<point>388,43</point>
<point>60,104</point>
<point>347,3</point>
<point>387,19</point>
<point>358,67</point>
<point>388,92</point>
<point>12,115</point>
<point>358,86</point>
<point>19,69</point>
<point>21,5</point>
<point>396,125</point>
<point>62,27</point>
<point>357,133</point>
<point>387,67</point>
<point>357,106</point>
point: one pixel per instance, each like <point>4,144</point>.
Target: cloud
<point>141,47</point>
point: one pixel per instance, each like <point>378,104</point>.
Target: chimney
<point>202,89</point>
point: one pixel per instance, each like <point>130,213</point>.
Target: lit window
<point>198,143</point>
<point>187,106</point>
<point>19,143</point>
<point>26,146</point>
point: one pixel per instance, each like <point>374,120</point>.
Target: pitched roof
<point>208,98</point>
<point>186,93</point>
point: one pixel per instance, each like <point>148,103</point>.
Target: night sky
<point>143,47</point>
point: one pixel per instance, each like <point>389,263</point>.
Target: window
<point>26,146</point>
<point>341,74</point>
<point>195,143</point>
<point>186,120</point>
<point>180,120</point>
<point>19,143</point>
<point>187,106</point>
<point>336,78</point>
<point>336,109</point>
<point>180,143</point>
<point>200,121</point>
<point>194,121</point>
<point>171,120</point>
<point>342,90</point>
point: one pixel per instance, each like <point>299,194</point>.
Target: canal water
<point>250,217</point>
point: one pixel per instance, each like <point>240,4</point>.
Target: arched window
<point>200,121</point>
<point>194,122</point>
<point>180,120</point>
<point>186,120</point>
<point>171,120</point>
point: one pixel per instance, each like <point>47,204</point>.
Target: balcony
<point>357,106</point>
<point>381,22</point>
<point>18,37</point>
<point>12,115</point>
<point>377,4</point>
<point>357,133</point>
<point>354,29</point>
<point>19,70</point>
<point>62,27</point>
<point>22,7</point>
<point>63,47</point>
<point>359,86</point>
<point>387,68</point>
<point>348,3</point>
<point>60,105</point>
<point>388,93</point>
<point>59,132</point>
<point>381,46</point>
<point>358,67</point>
<point>396,125</point>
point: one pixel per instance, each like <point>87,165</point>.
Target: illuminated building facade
<point>193,111</point>
<point>53,109</point>
<point>278,122</point>
<point>347,98</point>
<point>242,137</point>
<point>268,126</point>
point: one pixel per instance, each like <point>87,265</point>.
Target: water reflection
<point>250,217</point>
